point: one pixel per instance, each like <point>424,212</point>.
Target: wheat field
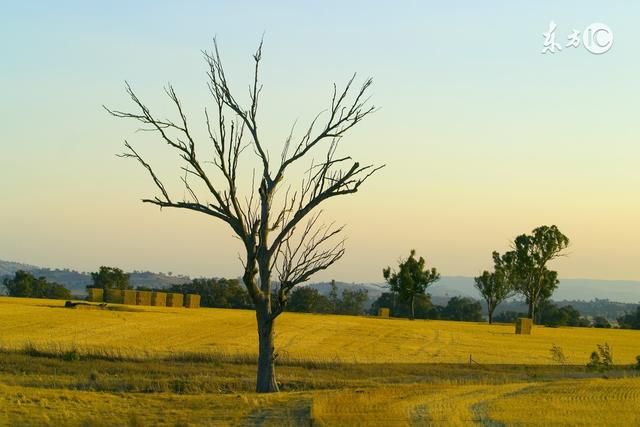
<point>161,331</point>
<point>335,370</point>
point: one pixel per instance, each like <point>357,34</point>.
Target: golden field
<point>171,367</point>
<point>161,331</point>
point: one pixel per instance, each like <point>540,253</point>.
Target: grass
<point>153,332</point>
<point>171,366</point>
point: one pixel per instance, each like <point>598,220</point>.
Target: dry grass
<point>170,366</point>
<point>160,332</point>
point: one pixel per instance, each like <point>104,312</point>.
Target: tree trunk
<point>266,377</point>
<point>491,316</point>
<point>413,314</point>
<point>531,310</point>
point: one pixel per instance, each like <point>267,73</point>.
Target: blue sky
<point>484,137</point>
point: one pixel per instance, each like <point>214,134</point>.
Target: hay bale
<point>383,312</point>
<point>114,296</point>
<point>143,298</point>
<point>524,326</point>
<point>129,297</point>
<point>174,300</point>
<point>95,294</point>
<point>192,301</point>
<point>158,299</point>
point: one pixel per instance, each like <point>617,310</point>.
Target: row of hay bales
<point>152,298</point>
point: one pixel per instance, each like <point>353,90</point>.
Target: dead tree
<point>284,241</point>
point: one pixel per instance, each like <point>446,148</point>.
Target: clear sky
<point>485,138</point>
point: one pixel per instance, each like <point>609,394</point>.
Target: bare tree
<point>283,238</point>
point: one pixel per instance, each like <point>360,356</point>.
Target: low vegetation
<point>149,366</point>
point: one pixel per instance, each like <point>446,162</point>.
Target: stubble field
<point>164,366</point>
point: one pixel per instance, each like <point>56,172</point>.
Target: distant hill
<point>624,291</point>
<point>77,281</point>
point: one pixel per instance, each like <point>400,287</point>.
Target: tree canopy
<point>25,284</point>
<point>110,278</point>
<point>412,279</point>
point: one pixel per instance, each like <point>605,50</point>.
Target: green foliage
<point>463,309</point>
<point>601,322</point>
<point>602,359</point>
<point>630,320</point>
<point>110,278</point>
<point>220,293</point>
<point>412,279</point>
<point>308,300</point>
<point>424,308</point>
<point>527,268</point>
<point>552,315</point>
<point>25,284</point>
<point>637,365</point>
<point>496,286</point>
<point>509,316</point>
<point>352,301</point>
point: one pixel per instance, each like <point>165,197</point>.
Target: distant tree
<point>219,293</point>
<point>333,297</point>
<point>508,316</point>
<point>110,278</point>
<point>308,300</point>
<point>630,320</point>
<point>463,309</point>
<point>424,308</point>
<point>527,264</point>
<point>20,285</point>
<point>411,280</point>
<point>25,284</point>
<point>601,322</point>
<point>496,286</point>
<point>551,315</point>
<point>352,302</point>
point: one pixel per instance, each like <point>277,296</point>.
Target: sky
<point>484,137</point>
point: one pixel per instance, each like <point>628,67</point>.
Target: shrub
<point>637,365</point>
<point>557,355</point>
<point>602,359</point>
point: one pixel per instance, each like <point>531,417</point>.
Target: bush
<point>637,365</point>
<point>557,355</point>
<point>602,359</point>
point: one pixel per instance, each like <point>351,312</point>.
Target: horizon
<point>484,137</point>
<point>357,282</point>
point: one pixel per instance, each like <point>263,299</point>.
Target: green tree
<point>352,301</point>
<point>462,309</point>
<point>25,284</point>
<point>630,320</point>
<point>527,264</point>
<point>308,300</point>
<point>220,293</point>
<point>496,286</point>
<point>412,279</point>
<point>21,285</point>
<point>424,308</point>
<point>110,278</point>
<point>333,297</point>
